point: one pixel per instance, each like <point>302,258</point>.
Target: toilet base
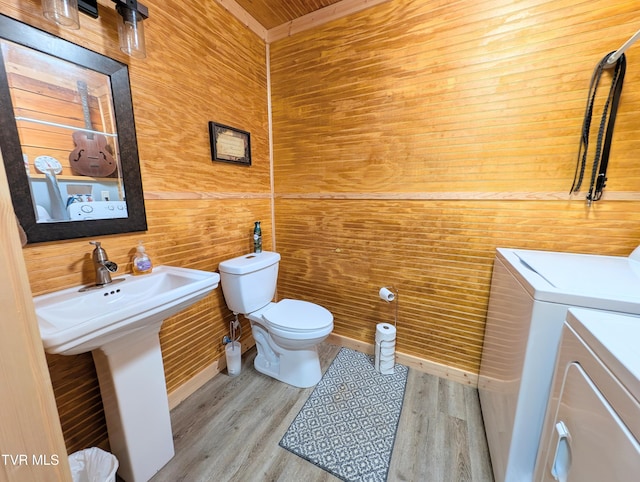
<point>299,368</point>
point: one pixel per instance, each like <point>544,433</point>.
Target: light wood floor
<point>230,428</point>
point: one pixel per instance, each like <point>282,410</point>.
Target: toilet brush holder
<point>233,352</point>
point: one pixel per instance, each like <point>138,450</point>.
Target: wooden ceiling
<point>273,13</point>
<point>272,20</point>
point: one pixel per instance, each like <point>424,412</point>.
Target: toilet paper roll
<point>385,357</point>
<point>387,295</point>
<point>385,332</point>
<point>387,368</point>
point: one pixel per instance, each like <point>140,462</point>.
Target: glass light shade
<point>62,12</point>
<point>131,32</point>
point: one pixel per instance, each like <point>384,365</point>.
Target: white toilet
<point>286,332</point>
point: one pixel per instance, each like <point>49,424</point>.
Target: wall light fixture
<point>130,25</point>
<point>62,12</point>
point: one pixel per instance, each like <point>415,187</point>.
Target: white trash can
<point>93,465</point>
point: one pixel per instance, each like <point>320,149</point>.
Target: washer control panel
<point>79,211</point>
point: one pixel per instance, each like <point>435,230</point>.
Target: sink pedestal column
<point>134,395</point>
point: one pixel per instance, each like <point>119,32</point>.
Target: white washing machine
<point>592,424</point>
<point>531,292</point>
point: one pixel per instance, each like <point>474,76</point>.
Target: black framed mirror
<point>67,137</point>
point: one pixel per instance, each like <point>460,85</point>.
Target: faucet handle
<point>99,254</point>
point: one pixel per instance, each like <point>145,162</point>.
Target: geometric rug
<point>348,425</point>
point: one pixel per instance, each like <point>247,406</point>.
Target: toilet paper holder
<point>387,294</point>
<point>384,352</point>
<point>390,295</point>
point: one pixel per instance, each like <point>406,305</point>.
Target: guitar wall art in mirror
<point>68,138</point>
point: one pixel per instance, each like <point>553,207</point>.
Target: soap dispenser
<point>141,261</point>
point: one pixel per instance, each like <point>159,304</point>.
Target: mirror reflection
<point>67,130</point>
<point>67,137</point>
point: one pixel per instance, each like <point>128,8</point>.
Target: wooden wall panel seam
<point>461,196</point>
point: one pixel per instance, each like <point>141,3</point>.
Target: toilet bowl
<point>286,332</point>
<point>286,335</point>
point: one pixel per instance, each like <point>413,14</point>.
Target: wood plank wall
<point>412,139</point>
<point>42,100</point>
<point>202,65</point>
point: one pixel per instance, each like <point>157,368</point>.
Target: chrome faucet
<point>103,266</point>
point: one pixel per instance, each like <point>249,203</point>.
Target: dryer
<point>531,292</point>
<point>591,431</point>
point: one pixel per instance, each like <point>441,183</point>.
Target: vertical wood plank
<point>28,415</point>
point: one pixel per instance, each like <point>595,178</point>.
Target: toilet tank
<point>249,282</point>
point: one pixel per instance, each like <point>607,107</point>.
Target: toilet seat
<point>297,316</point>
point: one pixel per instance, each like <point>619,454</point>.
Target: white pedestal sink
<point>119,323</point>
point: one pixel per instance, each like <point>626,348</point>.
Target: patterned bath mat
<point>348,425</point>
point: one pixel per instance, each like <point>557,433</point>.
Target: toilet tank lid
<point>249,263</point>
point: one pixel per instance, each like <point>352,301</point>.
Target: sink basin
<point>119,324</point>
<point>73,322</point>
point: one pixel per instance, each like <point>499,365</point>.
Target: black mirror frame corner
<point>28,36</point>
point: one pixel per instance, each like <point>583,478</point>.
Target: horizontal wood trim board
<point>193,195</point>
<point>243,16</point>
<point>186,389</point>
<point>460,196</point>
<point>320,17</point>
<point>305,22</point>
<point>426,366</point>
